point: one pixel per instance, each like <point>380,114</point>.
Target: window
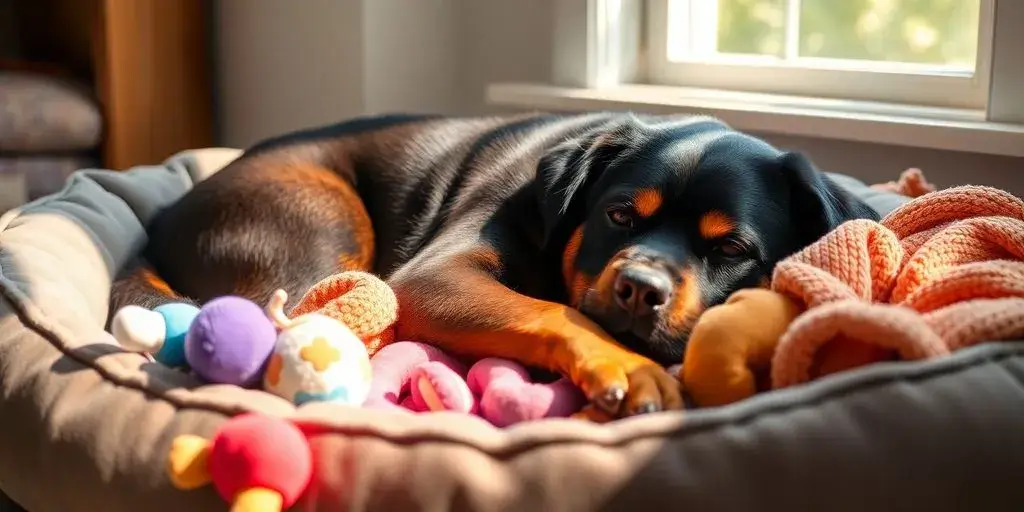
<point>937,74</point>
<point>923,52</point>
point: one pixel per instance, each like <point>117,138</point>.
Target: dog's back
<point>363,194</point>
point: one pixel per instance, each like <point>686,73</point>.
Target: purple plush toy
<point>230,341</point>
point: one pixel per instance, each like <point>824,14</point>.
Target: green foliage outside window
<point>943,32</point>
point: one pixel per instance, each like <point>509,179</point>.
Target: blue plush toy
<point>228,341</point>
<point>160,331</point>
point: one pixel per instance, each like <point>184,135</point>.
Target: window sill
<point>903,125</point>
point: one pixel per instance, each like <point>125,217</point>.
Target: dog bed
<point>85,425</point>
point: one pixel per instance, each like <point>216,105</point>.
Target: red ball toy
<point>257,463</point>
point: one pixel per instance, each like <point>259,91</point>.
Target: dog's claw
<point>611,399</point>
<point>648,408</point>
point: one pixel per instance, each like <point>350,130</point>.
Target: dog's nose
<point>641,290</point>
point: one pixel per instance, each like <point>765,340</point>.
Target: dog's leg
<point>250,229</point>
<point>456,302</point>
<point>139,285</point>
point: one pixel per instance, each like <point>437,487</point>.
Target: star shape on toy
<point>320,353</point>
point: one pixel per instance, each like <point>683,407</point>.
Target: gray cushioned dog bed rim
<point>85,426</point>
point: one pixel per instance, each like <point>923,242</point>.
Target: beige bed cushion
<point>86,426</point>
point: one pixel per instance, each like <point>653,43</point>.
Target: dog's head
<point>657,221</point>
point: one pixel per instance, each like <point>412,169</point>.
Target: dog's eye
<point>621,216</point>
<point>731,248</point>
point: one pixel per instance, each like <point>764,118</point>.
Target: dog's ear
<point>567,171</point>
<point>817,204</point>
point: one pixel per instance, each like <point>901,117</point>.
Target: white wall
<point>287,65</point>
<point>283,67</point>
<point>412,56</point>
<point>280,68</point>
<point>505,40</point>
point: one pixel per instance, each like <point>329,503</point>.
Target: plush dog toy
<point>160,331</point>
<point>315,358</point>
<point>507,395</point>
<point>256,463</point>
<point>229,342</point>
<point>421,378</point>
<point>232,340</point>
<point>728,357</point>
<point>360,300</point>
<point>226,342</point>
<point>418,377</point>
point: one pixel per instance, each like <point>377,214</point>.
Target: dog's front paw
<point>620,384</point>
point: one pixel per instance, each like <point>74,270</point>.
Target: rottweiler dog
<point>585,245</point>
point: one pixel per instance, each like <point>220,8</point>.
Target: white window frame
<point>599,50</point>
<point>599,63</point>
<point>823,78</point>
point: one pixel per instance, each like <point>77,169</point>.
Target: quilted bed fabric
<point>85,425</point>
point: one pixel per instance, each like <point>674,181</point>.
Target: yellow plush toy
<point>729,355</point>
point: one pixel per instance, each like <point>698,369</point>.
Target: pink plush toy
<point>508,397</point>
<point>420,378</point>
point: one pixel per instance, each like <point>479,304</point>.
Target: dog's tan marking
<point>647,202</point>
<point>715,224</point>
<point>576,283</point>
<point>157,282</point>
<point>686,305</point>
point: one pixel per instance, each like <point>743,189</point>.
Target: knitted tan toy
<point>360,300</point>
<point>942,272</point>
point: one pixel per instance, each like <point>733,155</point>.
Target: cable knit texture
<point>942,272</point>
<point>360,300</point>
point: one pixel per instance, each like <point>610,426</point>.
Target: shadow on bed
<point>158,376</point>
